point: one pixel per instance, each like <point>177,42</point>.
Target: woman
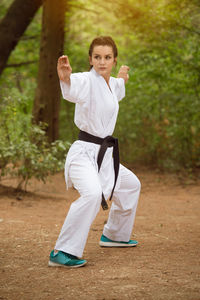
<point>92,163</point>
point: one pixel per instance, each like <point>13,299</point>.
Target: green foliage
<point>24,150</point>
<point>163,123</point>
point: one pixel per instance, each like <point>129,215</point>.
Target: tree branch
<point>189,29</point>
<point>84,8</point>
<point>26,37</point>
<point>21,64</point>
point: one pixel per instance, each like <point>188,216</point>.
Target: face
<point>103,60</point>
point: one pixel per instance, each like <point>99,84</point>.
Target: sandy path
<point>164,266</point>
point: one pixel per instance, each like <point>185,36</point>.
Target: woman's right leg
<point>82,212</point>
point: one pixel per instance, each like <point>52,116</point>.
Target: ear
<point>115,61</point>
<point>90,61</point>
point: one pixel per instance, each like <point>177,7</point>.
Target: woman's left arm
<point>123,73</point>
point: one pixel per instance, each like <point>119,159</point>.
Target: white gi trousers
<point>82,212</point>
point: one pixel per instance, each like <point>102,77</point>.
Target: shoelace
<point>70,256</point>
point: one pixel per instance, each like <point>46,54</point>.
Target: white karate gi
<point>96,113</point>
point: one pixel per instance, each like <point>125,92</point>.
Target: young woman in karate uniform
<point>96,95</point>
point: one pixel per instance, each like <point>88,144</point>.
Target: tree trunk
<point>14,24</point>
<point>47,98</point>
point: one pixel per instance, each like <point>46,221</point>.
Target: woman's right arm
<point>75,87</point>
<point>64,69</point>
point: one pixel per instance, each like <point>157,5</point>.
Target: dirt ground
<point>164,266</point>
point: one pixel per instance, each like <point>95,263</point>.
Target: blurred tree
<point>47,99</point>
<point>165,54</point>
<point>13,25</point>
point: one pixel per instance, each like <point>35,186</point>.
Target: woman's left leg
<point>123,209</point>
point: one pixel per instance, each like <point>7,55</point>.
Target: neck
<point>107,79</point>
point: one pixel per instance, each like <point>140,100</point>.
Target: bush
<point>24,150</point>
<point>159,121</point>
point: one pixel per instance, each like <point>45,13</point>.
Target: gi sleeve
<point>78,91</point>
<point>120,88</point>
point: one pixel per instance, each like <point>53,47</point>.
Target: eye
<point>97,57</point>
<point>108,57</point>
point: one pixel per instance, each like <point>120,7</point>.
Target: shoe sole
<point>119,245</point>
<point>53,264</point>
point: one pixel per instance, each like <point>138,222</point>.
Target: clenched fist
<point>64,69</point>
<point>123,73</point>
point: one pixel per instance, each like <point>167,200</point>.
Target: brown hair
<point>103,41</point>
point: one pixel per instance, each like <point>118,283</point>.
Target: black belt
<point>108,141</point>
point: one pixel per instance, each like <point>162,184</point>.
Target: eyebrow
<point>104,54</point>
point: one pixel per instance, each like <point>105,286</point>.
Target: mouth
<point>102,68</point>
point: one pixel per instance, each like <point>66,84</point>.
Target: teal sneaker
<point>62,259</point>
<point>106,242</point>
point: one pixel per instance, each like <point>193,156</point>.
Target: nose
<point>102,61</point>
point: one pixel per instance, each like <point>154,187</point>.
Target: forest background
<point>159,120</point>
